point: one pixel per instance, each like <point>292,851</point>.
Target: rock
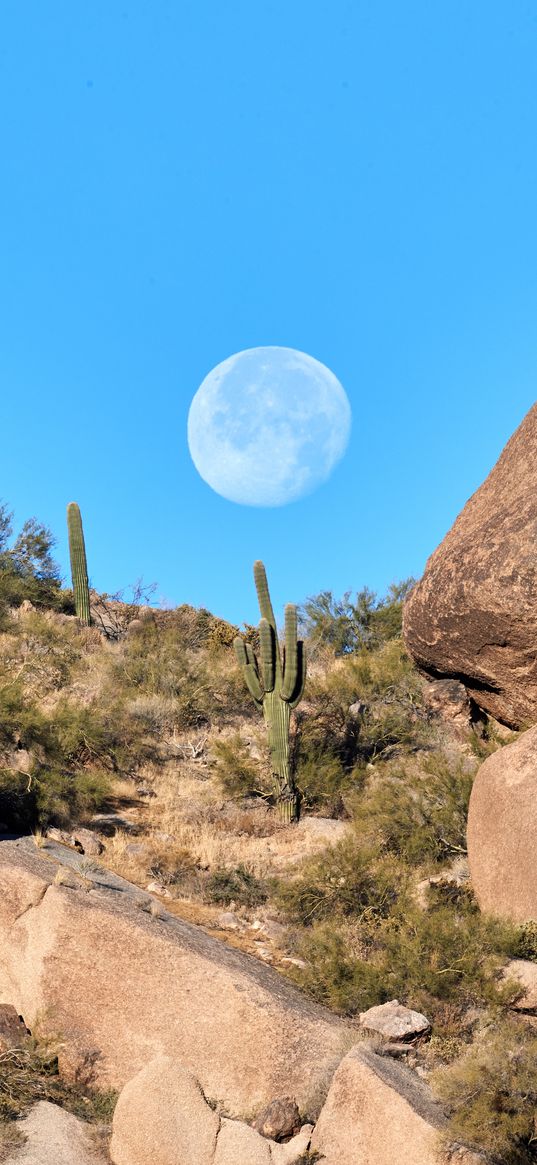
<point>162,1117</point>
<point>449,699</point>
<point>502,831</point>
<point>238,1143</point>
<point>294,1150</point>
<point>228,921</point>
<point>324,828</point>
<point>13,1030</point>
<point>59,835</point>
<point>54,1137</point>
<point>279,1119</point>
<point>395,1022</point>
<point>357,709</point>
<point>524,972</point>
<point>473,616</point>
<point>157,888</point>
<point>87,842</point>
<point>110,977</point>
<point>379,1112</point>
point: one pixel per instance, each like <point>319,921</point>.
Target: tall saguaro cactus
<point>79,569</point>
<point>276,683</point>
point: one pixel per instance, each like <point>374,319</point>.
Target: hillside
<point>135,741</point>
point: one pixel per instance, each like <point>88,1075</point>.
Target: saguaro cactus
<point>79,569</point>
<point>276,682</point>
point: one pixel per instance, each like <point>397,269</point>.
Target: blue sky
<point>182,180</point>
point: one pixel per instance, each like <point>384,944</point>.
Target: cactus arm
<point>290,669</point>
<point>301,675</point>
<point>79,568</point>
<point>267,654</point>
<point>247,661</point>
<point>265,606</point>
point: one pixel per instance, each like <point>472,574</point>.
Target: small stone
<point>60,836</point>
<point>228,921</point>
<point>395,1022</point>
<point>357,709</point>
<point>156,888</point>
<point>279,1119</point>
<point>87,842</point>
<point>13,1030</point>
<point>300,963</point>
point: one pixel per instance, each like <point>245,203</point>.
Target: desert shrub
<point>154,661</point>
<point>491,1092</point>
<point>323,780</point>
<point>29,1074</point>
<point>50,796</point>
<point>525,941</point>
<point>46,650</point>
<point>351,624</point>
<point>238,773</point>
<point>386,686</point>
<point>238,885</point>
<point>448,952</point>
<point>333,975</point>
<point>419,816</point>
<point>21,721</point>
<point>61,796</point>
<point>347,879</point>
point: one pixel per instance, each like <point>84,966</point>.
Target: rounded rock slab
<point>502,831</point>
<point>162,1117</point>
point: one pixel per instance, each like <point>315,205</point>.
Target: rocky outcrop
<point>162,1117</point>
<point>502,831</point>
<point>54,1137</point>
<point>473,616</point>
<point>379,1112</point>
<point>122,986</point>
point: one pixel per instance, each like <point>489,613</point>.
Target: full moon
<point>267,426</point>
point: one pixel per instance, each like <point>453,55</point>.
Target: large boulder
<point>54,1137</point>
<point>122,986</point>
<point>473,615</point>
<point>502,831</point>
<point>377,1111</point>
<point>162,1116</point>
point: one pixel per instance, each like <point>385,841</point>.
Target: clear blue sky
<point>182,179</point>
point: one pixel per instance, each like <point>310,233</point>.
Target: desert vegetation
<point>154,723</point>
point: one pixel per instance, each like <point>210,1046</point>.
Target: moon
<point>267,426</point>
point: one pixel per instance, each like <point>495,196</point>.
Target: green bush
<point>491,1093</point>
<point>419,816</point>
<point>333,975</point>
<point>345,880</point>
<point>238,885</point>
<point>61,797</point>
<point>237,772</point>
<point>525,941</point>
<point>351,624</point>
